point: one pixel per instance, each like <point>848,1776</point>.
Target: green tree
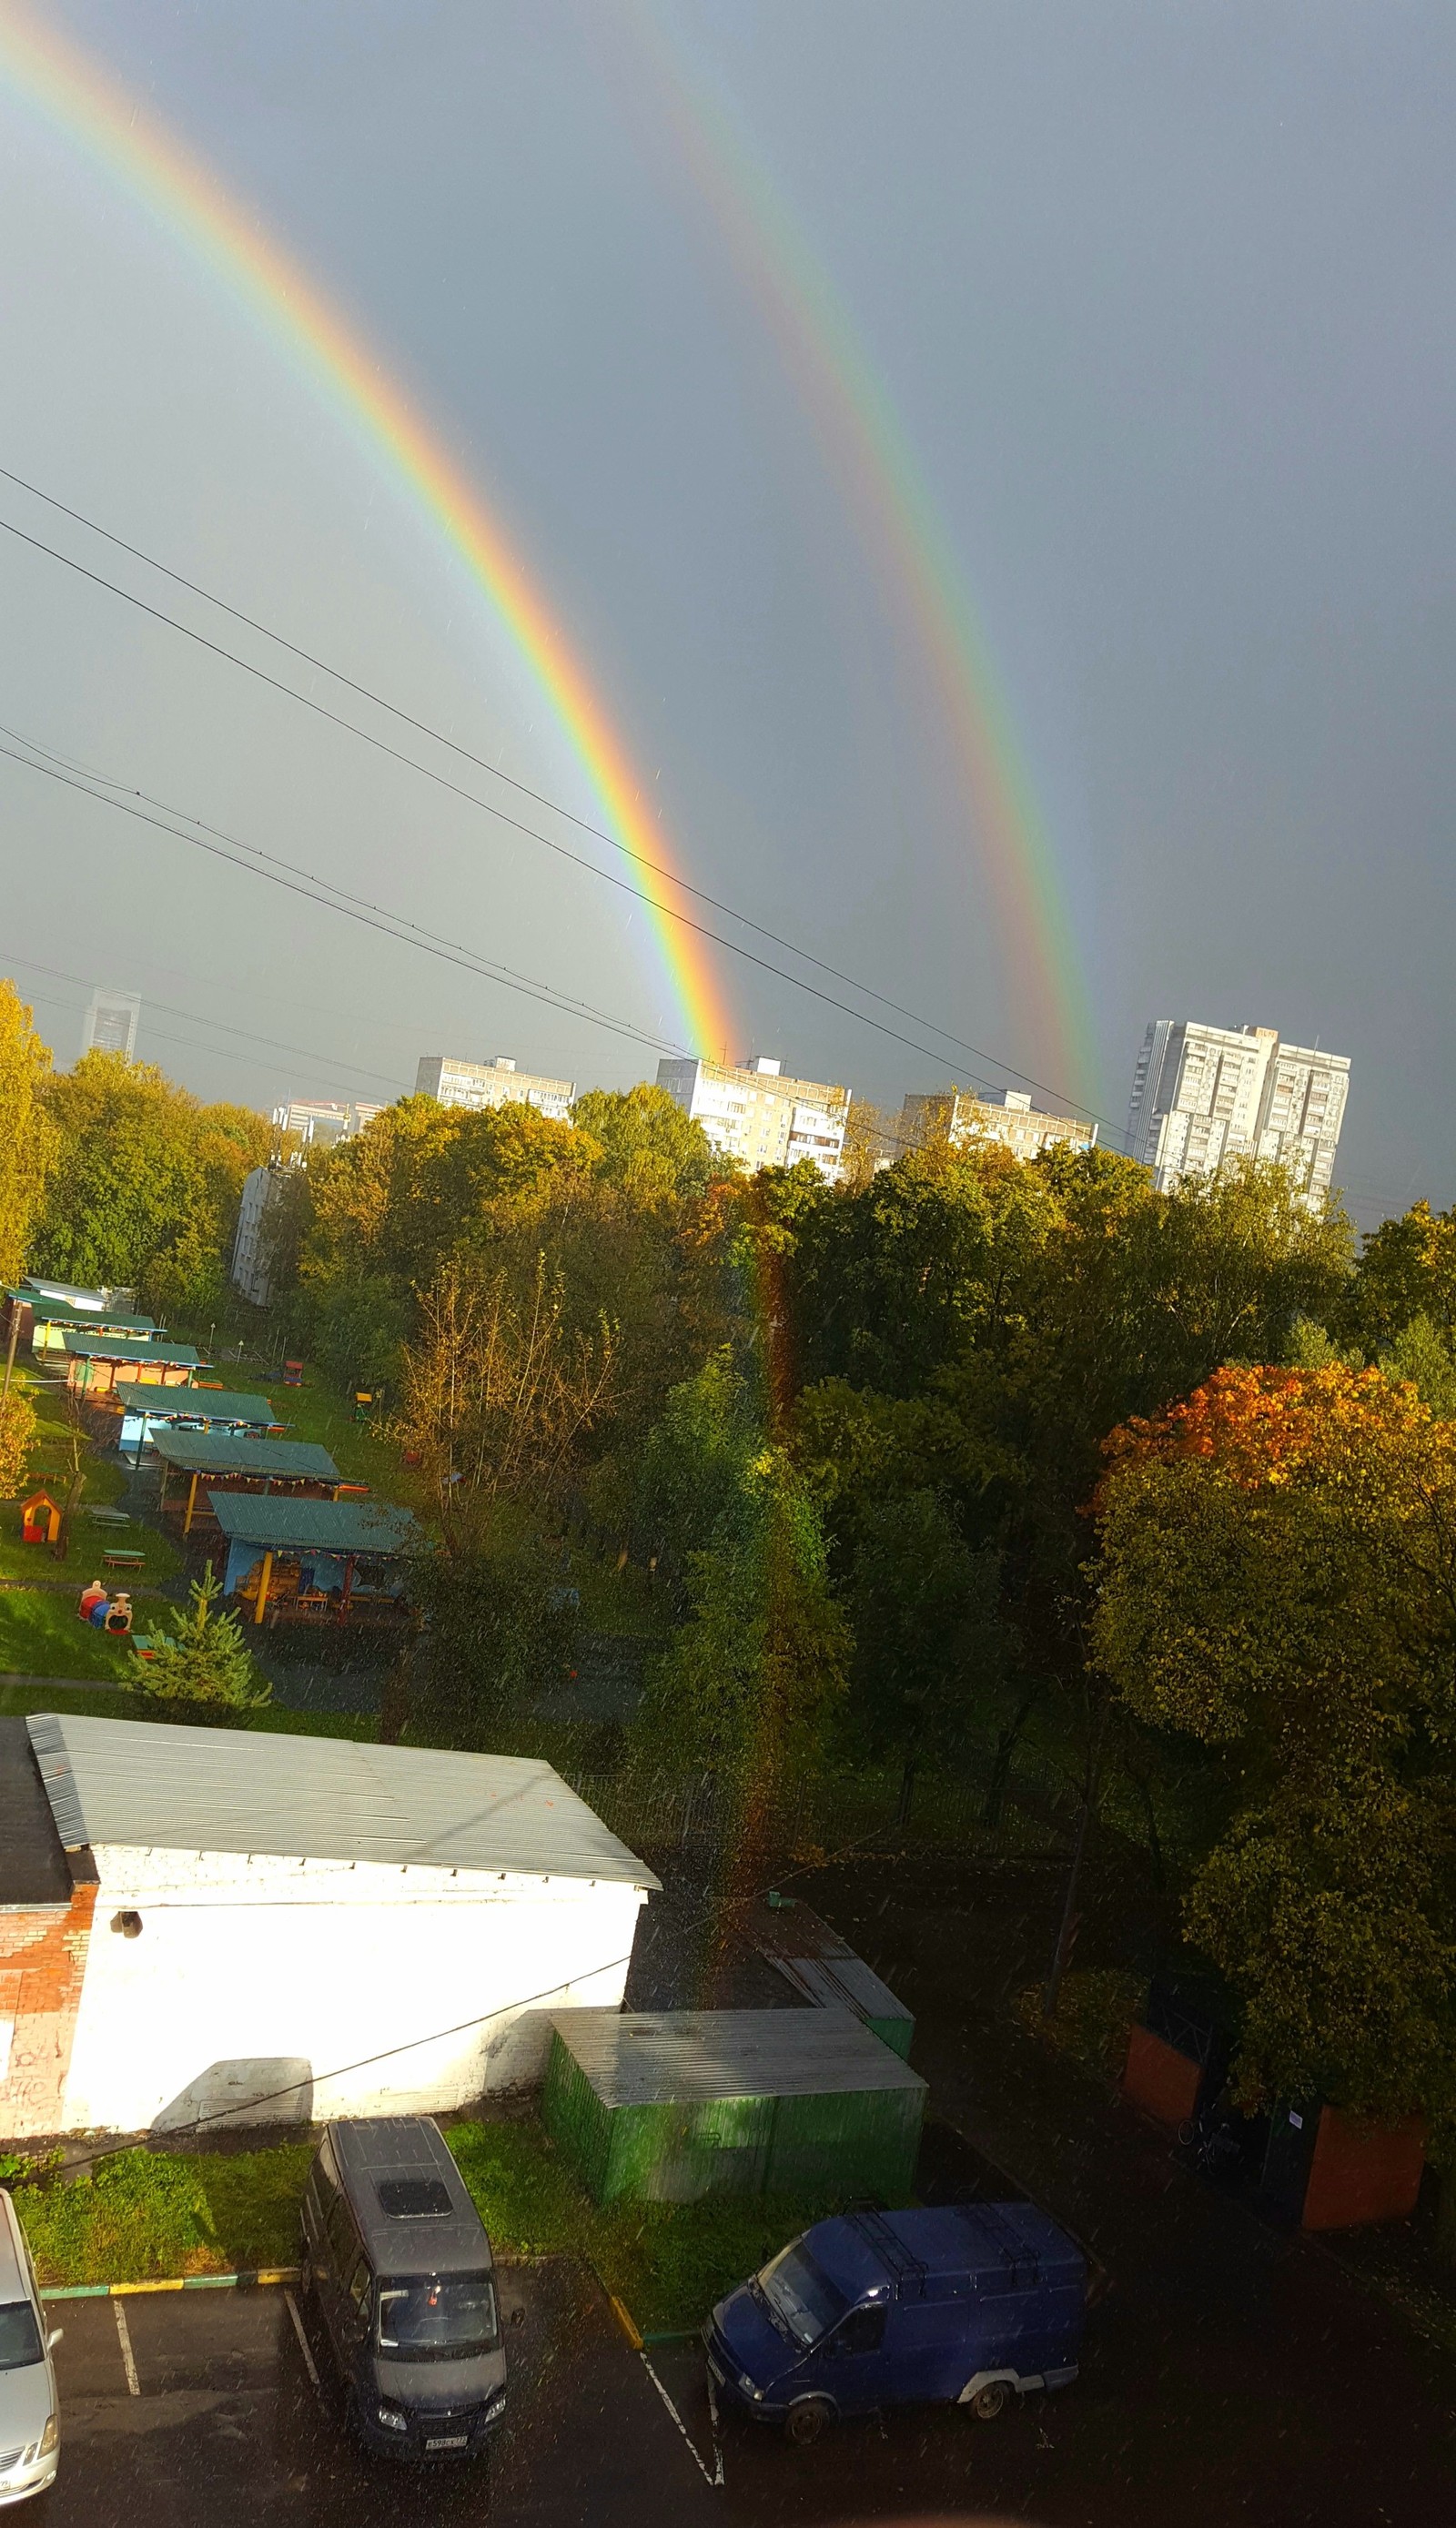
<point>499,1629</point>
<point>648,1148</point>
<point>26,1144</point>
<point>201,1668</point>
<point>1407,1269</point>
<point>1278,1579</point>
<point>929,1651</point>
<point>145,1185</point>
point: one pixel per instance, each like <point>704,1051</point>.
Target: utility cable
<point>32,966</point>
<point>255,851</point>
<point>405,935</point>
<point>577,859</point>
<point>269,866</point>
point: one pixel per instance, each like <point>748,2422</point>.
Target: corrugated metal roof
<point>60,1312</point>
<point>147,1785</point>
<point>243,1452</point>
<point>645,2058</point>
<point>193,1403</point>
<point>116,1347</point>
<point>842,1983</point>
<point>319,1526</point>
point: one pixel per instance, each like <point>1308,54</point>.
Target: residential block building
<point>111,1024</point>
<point>322,1120</point>
<point>757,1116</point>
<point>492,1084</point>
<point>956,1115</point>
<point>1205,1094</point>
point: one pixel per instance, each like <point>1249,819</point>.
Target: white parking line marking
<point>129,2357</point>
<point>309,2363</point>
<point>713,2480</point>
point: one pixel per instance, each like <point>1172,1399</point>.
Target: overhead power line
<point>322,891</point>
<point>579,860</point>
<point>257,862</point>
<point>196,1018</point>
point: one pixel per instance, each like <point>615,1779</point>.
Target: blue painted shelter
<point>315,1562</point>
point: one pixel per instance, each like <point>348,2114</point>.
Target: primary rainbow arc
<point>91,109</point>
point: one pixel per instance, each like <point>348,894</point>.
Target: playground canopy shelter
<point>315,1562</point>
<point>96,1363</point>
<point>210,1461</point>
<point>44,1323</point>
<point>145,1413</point>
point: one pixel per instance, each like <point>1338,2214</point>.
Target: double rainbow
<point>59,83</point>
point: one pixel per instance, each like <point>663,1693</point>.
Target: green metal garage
<point>671,2105</point>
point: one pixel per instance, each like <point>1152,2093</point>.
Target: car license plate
<point>453,2440</point>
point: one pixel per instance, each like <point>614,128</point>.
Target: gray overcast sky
<point>1162,301</point>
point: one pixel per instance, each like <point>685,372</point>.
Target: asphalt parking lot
<point>201,2409</point>
<point>197,2409</point>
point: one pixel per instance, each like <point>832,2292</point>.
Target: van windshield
<point>802,2300</point>
<point>435,2317</point>
<point>19,2336</point>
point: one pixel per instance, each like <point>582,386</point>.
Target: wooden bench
<point>124,1561</point>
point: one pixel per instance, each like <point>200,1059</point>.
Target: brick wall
<point>42,1966</point>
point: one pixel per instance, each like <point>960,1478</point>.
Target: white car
<point>30,2422</point>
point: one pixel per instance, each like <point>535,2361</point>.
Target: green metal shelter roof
<point>61,1312</point>
<point>660,2057</point>
<point>192,1403</point>
<point>117,1348</point>
<point>244,1452</point>
<point>280,1524</point>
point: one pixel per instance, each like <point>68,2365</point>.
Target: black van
<point>396,2255</point>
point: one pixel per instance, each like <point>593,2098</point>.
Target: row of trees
<point>967,1448</point>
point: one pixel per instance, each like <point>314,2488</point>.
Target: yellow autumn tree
<point>26,1139</point>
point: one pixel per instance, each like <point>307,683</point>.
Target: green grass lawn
<point>140,2216</point>
<point>39,1635</point>
<point>89,1540</point>
<point>17,1701</point>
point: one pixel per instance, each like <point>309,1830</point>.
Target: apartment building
<point>480,1085</point>
<point>954,1115</point>
<point>1202,1095</point>
<point>756,1115</point>
<point>321,1121</point>
<point>111,1024</point>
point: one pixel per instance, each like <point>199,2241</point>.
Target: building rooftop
<point>274,1523</point>
<point>246,1453</point>
<point>192,1403</point>
<point>118,1347</point>
<point>645,2057</point>
<point>32,1864</point>
<point>144,1784</point>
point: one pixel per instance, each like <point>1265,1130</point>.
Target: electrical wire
<point>195,1018</point>
<point>321,891</point>
<point>579,860</point>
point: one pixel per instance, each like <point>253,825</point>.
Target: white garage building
<point>285,1928</point>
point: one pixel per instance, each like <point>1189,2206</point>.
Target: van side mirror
<point>56,2336</point>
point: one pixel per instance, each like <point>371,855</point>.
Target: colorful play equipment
<point>93,1594</point>
<point>41,1520</point>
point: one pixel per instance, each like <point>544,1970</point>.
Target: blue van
<point>969,2304</point>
